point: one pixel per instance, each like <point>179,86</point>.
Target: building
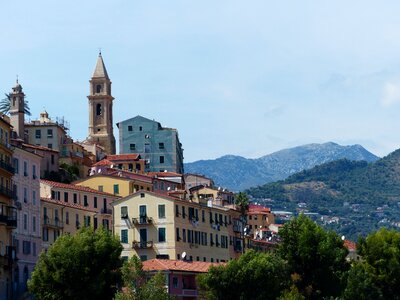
<point>127,162</point>
<point>8,212</point>
<point>27,236</point>
<point>49,163</point>
<point>192,180</point>
<point>151,226</point>
<point>218,195</point>
<point>74,196</point>
<point>259,218</point>
<point>180,275</point>
<point>101,109</point>
<point>159,146</point>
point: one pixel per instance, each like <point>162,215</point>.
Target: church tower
<point>100,109</point>
<point>17,112</point>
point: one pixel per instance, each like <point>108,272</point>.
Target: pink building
<point>27,236</point>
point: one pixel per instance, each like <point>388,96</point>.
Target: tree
<point>377,275</point>
<point>5,105</point>
<point>242,200</point>
<point>254,275</point>
<point>136,287</point>
<point>316,257</point>
<point>81,266</point>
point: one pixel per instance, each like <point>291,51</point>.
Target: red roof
<point>103,162</point>
<point>349,245</point>
<point>67,204</point>
<point>164,174</point>
<point>254,209</point>
<point>178,265</point>
<point>75,187</point>
<point>118,157</point>
<point>129,175</point>
<point>39,148</point>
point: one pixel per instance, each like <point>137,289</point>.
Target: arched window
<point>98,109</point>
<point>98,88</point>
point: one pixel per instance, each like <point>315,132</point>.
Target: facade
<point>127,162</point>
<point>101,109</point>
<point>74,154</point>
<point>8,212</point>
<point>27,236</point>
<point>259,218</point>
<point>49,162</point>
<point>158,226</point>
<point>159,146</point>
<point>180,275</point>
<point>75,196</point>
<point>217,195</point>
<point>192,180</point>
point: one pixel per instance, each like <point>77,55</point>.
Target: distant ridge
<point>238,173</point>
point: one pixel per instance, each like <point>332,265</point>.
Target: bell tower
<point>101,109</point>
<point>17,111</point>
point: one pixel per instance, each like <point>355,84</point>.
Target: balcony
<point>53,223</point>
<point>12,217</point>
<point>142,245</point>
<point>5,191</point>
<point>143,220</point>
<point>190,292</point>
<point>7,166</point>
<point>106,211</point>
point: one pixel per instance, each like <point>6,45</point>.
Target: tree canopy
<point>81,266</point>
<point>5,105</point>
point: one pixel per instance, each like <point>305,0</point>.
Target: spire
<point>100,70</point>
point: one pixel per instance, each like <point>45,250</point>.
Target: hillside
<point>238,173</point>
<point>364,196</point>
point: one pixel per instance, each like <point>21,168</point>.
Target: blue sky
<point>234,77</point>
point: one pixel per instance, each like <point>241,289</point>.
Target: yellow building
<point>219,195</point>
<point>8,213</point>
<point>60,217</point>
<point>119,183</point>
<point>158,226</point>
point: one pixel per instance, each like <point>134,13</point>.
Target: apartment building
<point>8,212</point>
<point>27,236</point>
<point>127,162</point>
<point>151,226</point>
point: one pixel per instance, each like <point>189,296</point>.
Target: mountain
<point>364,196</point>
<point>238,173</point>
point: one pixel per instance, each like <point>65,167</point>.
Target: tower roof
<point>100,70</point>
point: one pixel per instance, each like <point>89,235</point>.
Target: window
<point>176,210</point>
<point>203,217</point>
<point>98,88</point>
<point>161,235</point>
<point>143,257</point>
<point>16,165</point>
<point>75,198</point>
<point>95,202</point>
<point>147,148</point>
<point>45,234</point>
<point>86,220</point>
<point>25,195</point>
<point>34,197</point>
<point>65,196</point>
<point>124,212</point>
<point>95,223</point>
<point>25,222</point>
<point>183,212</point>
<point>130,128</point>
<point>49,133</point>
<point>160,146</point>
<point>33,248</point>
<point>132,146</point>
<point>52,159</point>
<point>175,282</point>
<point>34,171</point>
<point>116,189</point>
<point>85,201</point>
<point>124,236</point>
<point>26,247</point>
<point>33,224</point>
<point>98,109</point>
<point>67,218</point>
<point>25,168</point>
<point>100,188</point>
<point>161,211</point>
<point>38,133</point>
<point>161,159</point>
<point>184,235</point>
<point>50,146</point>
<point>140,128</point>
<point>178,238</point>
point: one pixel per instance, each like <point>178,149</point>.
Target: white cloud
<point>390,94</point>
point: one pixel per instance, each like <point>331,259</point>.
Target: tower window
<point>98,88</point>
<point>98,109</point>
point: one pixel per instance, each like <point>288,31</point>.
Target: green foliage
<point>377,276</point>
<point>253,276</point>
<point>317,256</point>
<point>5,105</point>
<point>242,200</point>
<point>81,266</point>
<point>136,287</point>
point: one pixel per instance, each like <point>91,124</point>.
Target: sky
<point>234,77</point>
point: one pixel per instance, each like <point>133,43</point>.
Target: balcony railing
<point>106,211</point>
<point>142,220</point>
<point>8,216</point>
<point>142,244</point>
<point>6,191</point>
<point>6,166</point>
<point>56,223</point>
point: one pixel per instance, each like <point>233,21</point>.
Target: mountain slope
<point>238,173</point>
<point>364,196</point>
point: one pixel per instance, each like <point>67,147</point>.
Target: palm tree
<point>5,105</point>
<point>242,201</point>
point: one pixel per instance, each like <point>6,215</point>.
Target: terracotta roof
<point>164,174</point>
<point>103,162</point>
<point>130,175</point>
<point>75,187</point>
<point>67,204</point>
<point>254,208</point>
<point>117,157</point>
<point>39,148</point>
<point>178,265</point>
<point>349,245</point>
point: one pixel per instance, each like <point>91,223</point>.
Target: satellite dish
<point>219,188</point>
<point>343,237</point>
<point>112,166</point>
<point>183,255</point>
<point>168,188</point>
<point>99,171</point>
